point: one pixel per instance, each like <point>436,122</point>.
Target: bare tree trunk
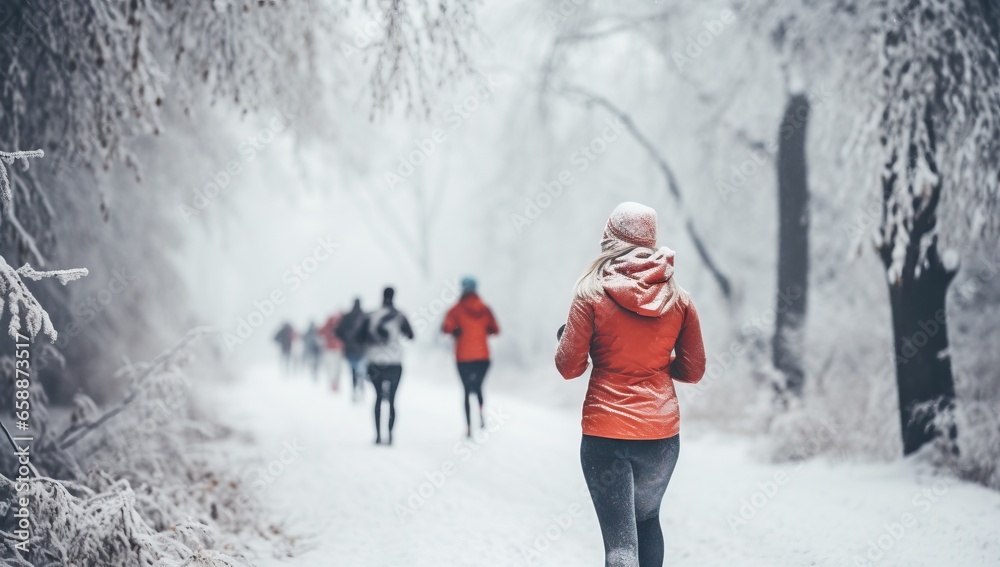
<point>793,247</point>
<point>923,366</point>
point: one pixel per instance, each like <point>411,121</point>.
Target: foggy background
<point>216,165</point>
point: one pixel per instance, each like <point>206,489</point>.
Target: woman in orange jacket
<point>470,321</point>
<point>641,331</point>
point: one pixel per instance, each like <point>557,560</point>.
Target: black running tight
<point>385,378</point>
<point>627,480</point>
<point>473,373</point>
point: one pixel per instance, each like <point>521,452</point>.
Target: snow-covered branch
<point>8,158</point>
<point>192,514</point>
<point>64,276</point>
<point>16,296</point>
<point>669,177</point>
<point>138,373</point>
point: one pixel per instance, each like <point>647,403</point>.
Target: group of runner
<point>631,325</point>
<point>371,343</point>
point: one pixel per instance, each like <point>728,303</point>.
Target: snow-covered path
<point>515,495</point>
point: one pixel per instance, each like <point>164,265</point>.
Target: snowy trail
<point>515,496</point>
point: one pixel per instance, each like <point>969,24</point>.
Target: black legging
<point>473,373</point>
<point>385,378</point>
<point>627,480</point>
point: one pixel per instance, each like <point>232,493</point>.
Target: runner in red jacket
<point>642,333</point>
<point>470,321</point>
<point>333,355</point>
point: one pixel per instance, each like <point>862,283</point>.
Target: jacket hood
<point>642,281</point>
<point>472,305</point>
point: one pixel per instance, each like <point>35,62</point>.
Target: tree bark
<point>923,365</point>
<point>793,247</point>
<point>919,321</point>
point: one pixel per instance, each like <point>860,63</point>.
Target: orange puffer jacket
<point>630,333</point>
<point>471,321</point>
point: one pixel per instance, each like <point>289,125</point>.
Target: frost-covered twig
<point>16,295</point>
<point>8,157</point>
<point>64,276</point>
<point>72,435</point>
<point>13,444</point>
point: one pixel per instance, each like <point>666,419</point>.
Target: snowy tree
<point>582,23</point>
<point>788,346</point>
<point>940,134</point>
<point>88,82</point>
<point>788,26</point>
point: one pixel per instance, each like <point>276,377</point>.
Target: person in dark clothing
<point>285,337</point>
<point>312,350</point>
<point>381,332</point>
<point>354,346</point>
<point>333,350</point>
<point>470,321</point>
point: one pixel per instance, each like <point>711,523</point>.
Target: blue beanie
<point>468,284</point>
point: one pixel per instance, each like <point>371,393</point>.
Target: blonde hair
<point>589,284</point>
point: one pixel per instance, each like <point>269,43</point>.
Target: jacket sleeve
<point>574,346</point>
<point>405,328</point>
<point>450,323</point>
<point>492,328</point>
<point>689,363</point>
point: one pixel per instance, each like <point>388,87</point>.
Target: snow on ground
<point>515,495</point>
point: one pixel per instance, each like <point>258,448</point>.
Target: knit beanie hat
<point>633,224</point>
<point>468,284</point>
